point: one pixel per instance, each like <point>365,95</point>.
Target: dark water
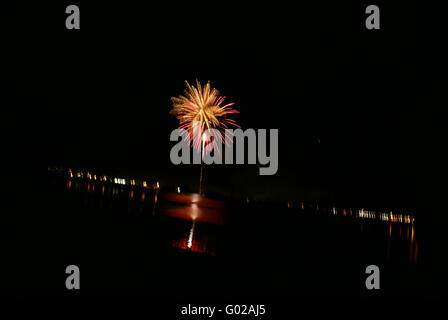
<point>127,244</point>
<point>384,241</point>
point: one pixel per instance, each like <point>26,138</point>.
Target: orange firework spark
<point>199,109</point>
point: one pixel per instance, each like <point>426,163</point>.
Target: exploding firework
<point>200,109</point>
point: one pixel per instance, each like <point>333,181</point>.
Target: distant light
<point>178,189</point>
<point>158,184</point>
<point>144,184</point>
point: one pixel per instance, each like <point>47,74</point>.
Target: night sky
<point>360,120</point>
<point>347,101</point>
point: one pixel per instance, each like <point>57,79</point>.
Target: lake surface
<point>195,222</point>
<point>132,241</point>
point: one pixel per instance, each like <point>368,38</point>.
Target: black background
<point>99,97</point>
<point>314,72</point>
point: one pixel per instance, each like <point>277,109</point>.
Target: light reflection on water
<point>144,200</point>
<point>195,241</point>
<point>399,229</point>
<point>404,234</point>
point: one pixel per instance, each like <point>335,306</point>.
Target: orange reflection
<point>190,243</point>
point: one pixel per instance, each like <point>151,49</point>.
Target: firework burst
<point>200,109</point>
